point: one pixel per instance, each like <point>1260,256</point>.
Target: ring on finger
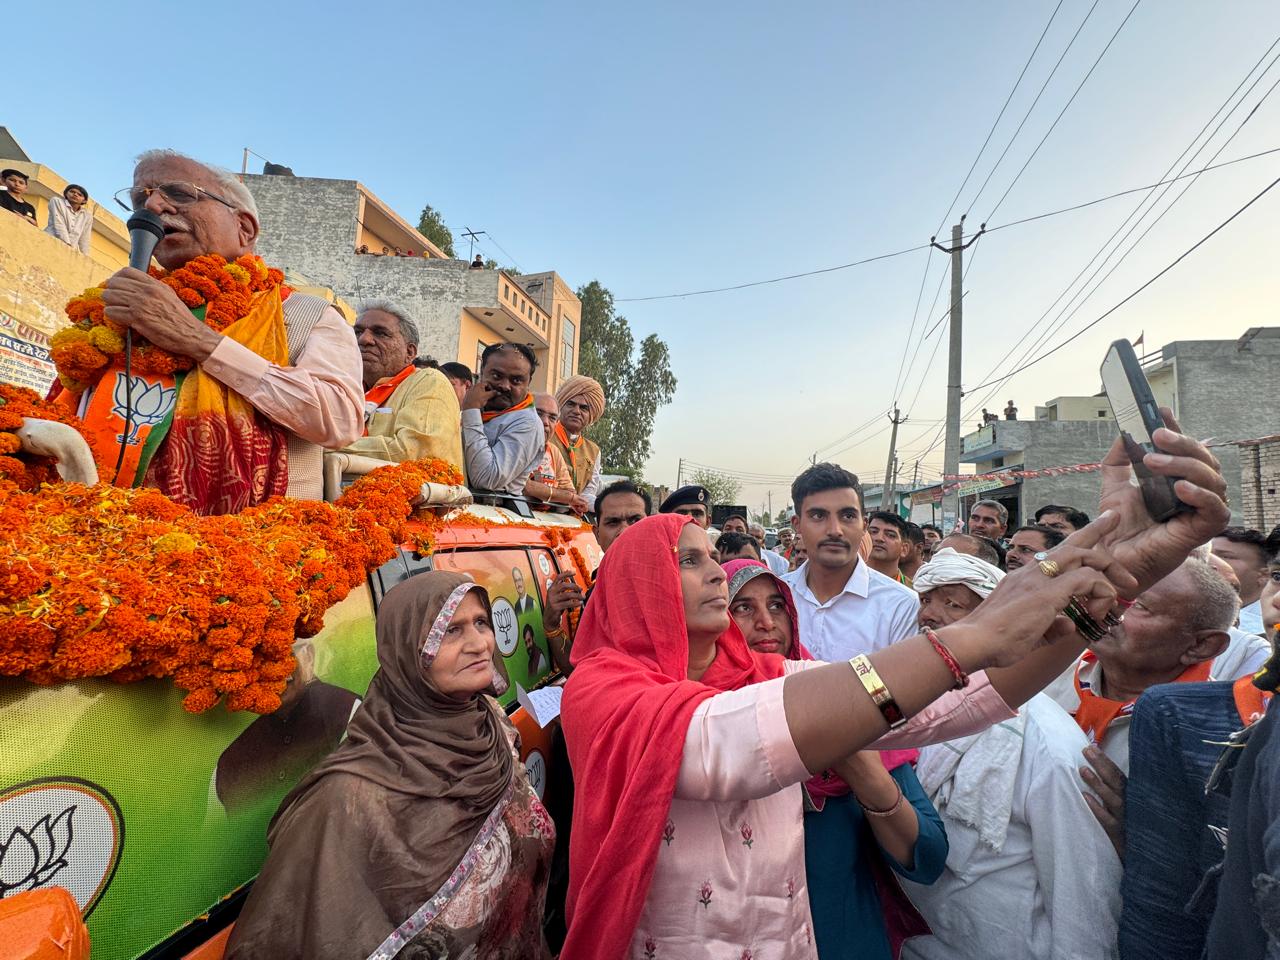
<point>1048,567</point>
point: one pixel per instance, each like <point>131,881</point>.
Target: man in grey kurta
<point>502,437</point>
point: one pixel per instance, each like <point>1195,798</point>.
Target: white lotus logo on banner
<point>151,403</point>
<point>59,832</point>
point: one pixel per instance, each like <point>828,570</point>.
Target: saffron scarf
<point>626,712</point>
<point>1096,713</point>
<point>525,404</point>
<point>381,392</point>
<point>195,439</point>
<point>1251,701</point>
<point>581,455</point>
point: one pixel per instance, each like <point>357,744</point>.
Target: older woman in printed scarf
<point>1030,872</point>
<point>582,403</point>
<point>865,820</point>
<point>419,835</point>
<point>680,736</point>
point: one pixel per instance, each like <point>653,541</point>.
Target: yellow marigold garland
<point>125,584</point>
<point>84,350</point>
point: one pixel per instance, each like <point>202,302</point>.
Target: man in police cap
<point>691,501</point>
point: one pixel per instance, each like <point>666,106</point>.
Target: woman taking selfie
<point>689,749</point>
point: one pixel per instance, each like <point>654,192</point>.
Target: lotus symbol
<point>32,858</point>
<point>151,403</point>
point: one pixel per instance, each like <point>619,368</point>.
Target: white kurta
<point>1052,890</point>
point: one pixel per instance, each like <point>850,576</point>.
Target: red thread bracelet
<point>962,678</point>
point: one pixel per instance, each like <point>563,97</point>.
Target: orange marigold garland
<point>22,469</point>
<point>84,350</point>
<point>105,582</point>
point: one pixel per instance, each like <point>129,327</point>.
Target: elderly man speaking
<point>236,384</point>
<point>581,402</point>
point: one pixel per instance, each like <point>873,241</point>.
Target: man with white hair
<point>1170,634</point>
<point>412,412</point>
<point>1030,873</point>
<point>1178,806</point>
<point>774,561</point>
<point>236,384</point>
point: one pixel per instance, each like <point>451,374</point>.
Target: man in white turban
<point>581,401</point>
<point>1030,872</point>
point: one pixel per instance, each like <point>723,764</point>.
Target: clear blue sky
<point>673,146</point>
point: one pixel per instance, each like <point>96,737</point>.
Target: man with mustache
<point>502,438</point>
<point>412,412</point>
<point>581,402</point>
<point>237,383</point>
<point>845,607</point>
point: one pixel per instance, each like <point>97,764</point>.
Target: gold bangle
<point>890,811</point>
<point>878,692</point>
<point>555,634</point>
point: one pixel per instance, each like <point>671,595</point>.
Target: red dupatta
<point>626,712</point>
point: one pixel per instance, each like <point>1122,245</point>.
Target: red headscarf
<point>626,712</point>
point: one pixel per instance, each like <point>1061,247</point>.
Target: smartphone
<point>1138,417</point>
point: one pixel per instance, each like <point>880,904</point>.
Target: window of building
<point>567,335</point>
<point>481,346</point>
<point>1102,413</point>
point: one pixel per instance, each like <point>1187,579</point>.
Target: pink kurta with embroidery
<point>730,877</point>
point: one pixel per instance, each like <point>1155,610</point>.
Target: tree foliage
<point>431,225</point>
<point>636,383</point>
<point>724,490</point>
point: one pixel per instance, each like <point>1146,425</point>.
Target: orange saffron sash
<point>1096,713</point>
<point>525,404</point>
<point>198,441</point>
<point>381,392</point>
<point>1251,702</point>
<point>570,445</point>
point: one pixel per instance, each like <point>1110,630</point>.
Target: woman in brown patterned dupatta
<point>419,836</point>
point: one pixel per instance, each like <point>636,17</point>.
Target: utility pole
<point>951,450</point>
<point>771,521</point>
<point>471,238</point>
<point>890,468</point>
<point>680,474</point>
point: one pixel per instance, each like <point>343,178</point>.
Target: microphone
<point>146,230</point>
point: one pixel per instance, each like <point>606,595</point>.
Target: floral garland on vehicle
<point>125,584</point>
<point>84,350</point>
<point>28,472</point>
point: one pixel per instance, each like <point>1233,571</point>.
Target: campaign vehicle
<point>155,819</point>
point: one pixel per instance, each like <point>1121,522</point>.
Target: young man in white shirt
<point>845,607</point>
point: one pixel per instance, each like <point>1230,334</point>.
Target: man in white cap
<point>1030,872</point>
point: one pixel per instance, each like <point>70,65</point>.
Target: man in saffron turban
<point>581,401</point>
<point>233,385</point>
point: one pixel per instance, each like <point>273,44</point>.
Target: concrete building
<point>314,227</point>
<point>1260,482</point>
<point>1219,390</point>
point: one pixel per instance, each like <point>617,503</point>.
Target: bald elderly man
<point>581,401</point>
<point>266,395</point>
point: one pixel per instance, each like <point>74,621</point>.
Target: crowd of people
<point>881,740</point>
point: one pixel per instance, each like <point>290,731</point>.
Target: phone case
<point>1157,492</point>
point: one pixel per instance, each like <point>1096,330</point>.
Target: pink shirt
<point>320,398</point>
<point>730,877</point>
